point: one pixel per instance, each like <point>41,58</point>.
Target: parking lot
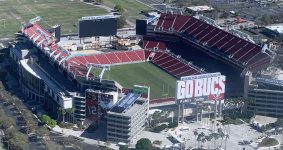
<point>239,136</point>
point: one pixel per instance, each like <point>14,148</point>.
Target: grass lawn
<point>132,7</point>
<point>65,12</point>
<point>160,83</point>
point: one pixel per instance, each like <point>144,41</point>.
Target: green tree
<point>17,140</point>
<point>181,3</point>
<point>265,19</point>
<point>47,120</point>
<point>7,122</point>
<point>121,22</point>
<point>99,1</point>
<point>123,147</point>
<point>119,8</point>
<point>53,146</point>
<point>144,144</point>
<point>42,131</point>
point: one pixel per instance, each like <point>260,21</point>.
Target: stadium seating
<point>173,65</point>
<point>160,21</point>
<point>78,62</point>
<point>42,38</point>
<point>180,20</point>
<point>217,40</point>
<point>150,43</point>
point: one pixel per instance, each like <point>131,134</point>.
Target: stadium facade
<point>266,93</point>
<point>55,77</point>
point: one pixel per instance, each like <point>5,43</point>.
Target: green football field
<point>65,12</point>
<point>162,85</point>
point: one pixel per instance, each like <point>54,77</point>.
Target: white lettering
<point>214,81</point>
<point>198,87</point>
<point>181,88</point>
<point>206,86</point>
<point>189,89</point>
<point>222,81</point>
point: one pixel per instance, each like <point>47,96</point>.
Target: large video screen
<point>141,27</point>
<point>97,27</point>
<point>91,105</point>
<point>201,87</point>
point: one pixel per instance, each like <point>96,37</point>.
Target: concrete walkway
<point>70,132</point>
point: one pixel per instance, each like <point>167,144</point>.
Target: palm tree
<point>195,134</point>
<point>226,138</point>
<point>70,111</point>
<point>155,117</point>
<point>62,112</point>
<point>212,124</point>
<point>205,108</point>
<point>215,137</point>
<point>208,138</point>
<point>203,140</point>
<point>199,139</point>
<point>222,135</point>
<point>202,135</point>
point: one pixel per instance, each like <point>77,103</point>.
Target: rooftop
<point>200,8</point>
<point>127,104</point>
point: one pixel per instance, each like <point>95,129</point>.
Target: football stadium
<point>68,71</point>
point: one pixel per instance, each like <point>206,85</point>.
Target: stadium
<point>64,75</point>
<point>176,46</point>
